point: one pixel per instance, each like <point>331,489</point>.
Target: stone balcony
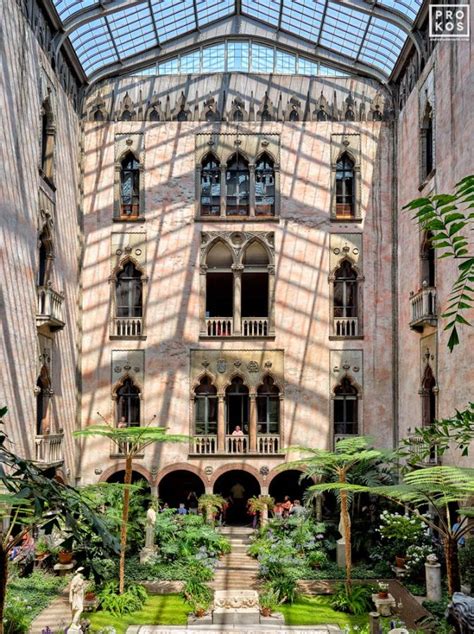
<point>127,328</point>
<point>225,327</point>
<point>346,327</point>
<point>422,454</point>
<point>50,308</point>
<point>49,451</point>
<point>423,308</point>
<point>266,445</point>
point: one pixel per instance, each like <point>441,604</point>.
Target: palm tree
<point>338,465</point>
<point>130,441</point>
<point>210,504</point>
<point>438,488</point>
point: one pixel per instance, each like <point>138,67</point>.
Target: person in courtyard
<point>192,501</point>
<point>278,511</point>
<point>286,506</point>
<point>253,515</point>
<point>182,510</point>
<point>297,510</point>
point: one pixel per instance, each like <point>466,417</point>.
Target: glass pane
<point>200,408</point>
<point>213,59</point>
<point>285,63</point>
<point>238,56</point>
<point>170,67</point>
<point>191,63</point>
<point>262,59</point>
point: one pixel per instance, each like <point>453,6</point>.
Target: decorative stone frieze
<point>129,245</point>
<point>128,363</point>
<point>345,245</point>
<point>346,363</point>
<point>223,146</point>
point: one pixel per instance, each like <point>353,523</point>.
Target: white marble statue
<point>150,528</point>
<point>76,599</point>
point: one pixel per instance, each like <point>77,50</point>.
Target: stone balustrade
<point>204,445</point>
<point>255,326</point>
<point>236,444</point>
<point>267,444</point>
<point>422,453</point>
<point>49,449</point>
<point>127,326</point>
<point>219,326</point>
<point>423,308</point>
<point>346,327</point>
<point>50,308</point>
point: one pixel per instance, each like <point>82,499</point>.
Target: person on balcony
<point>238,443</point>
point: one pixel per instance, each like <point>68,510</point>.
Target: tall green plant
<point>30,499</point>
<point>448,218</point>
<point>130,441</point>
<point>210,504</point>
<point>337,465</point>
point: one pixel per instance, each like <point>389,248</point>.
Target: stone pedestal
<point>374,622</point>
<point>147,554</point>
<point>74,629</point>
<point>236,607</point>
<point>433,578</point>
<point>341,553</point>
<point>384,606</point>
<point>63,569</point>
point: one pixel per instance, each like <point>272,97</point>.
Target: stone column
<point>253,424</point>
<point>220,424</point>
<point>202,300</point>
<point>433,578</point>
<point>374,622</point>
<point>223,191</point>
<point>271,299</point>
<point>252,189</point>
<point>276,169</point>
<point>237,269</point>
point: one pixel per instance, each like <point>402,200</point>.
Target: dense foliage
<point>131,600</point>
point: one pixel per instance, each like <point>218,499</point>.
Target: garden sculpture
<point>76,599</point>
<point>150,528</point>
<point>461,613</point>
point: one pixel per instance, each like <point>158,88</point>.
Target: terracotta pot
<point>89,596</point>
<point>383,595</point>
<point>200,613</point>
<point>266,612</point>
<point>400,561</point>
<point>65,557</point>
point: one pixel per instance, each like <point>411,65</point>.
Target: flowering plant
<point>383,586</point>
<point>401,531</point>
<point>416,557</point>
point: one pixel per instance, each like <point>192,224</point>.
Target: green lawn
<point>168,609</point>
<point>315,611</point>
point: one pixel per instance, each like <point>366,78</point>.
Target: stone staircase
<point>236,570</point>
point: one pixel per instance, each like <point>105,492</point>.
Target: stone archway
<point>237,486</point>
<point>175,486</point>
<point>288,483</point>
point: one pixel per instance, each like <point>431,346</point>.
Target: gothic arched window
<point>345,301</point>
<point>210,186</point>
<point>427,142</point>
<point>205,408</point>
<point>237,406</point>
<point>45,257</point>
<point>268,407</point>
<point>428,261</point>
<point>43,395</point>
<point>154,115</point>
<point>47,139</point>
<point>219,291</point>
<point>129,186</point>
<point>346,414</point>
<point>128,404</point>
<point>129,292</point>
<point>345,187</point>
<point>237,186</point>
<point>428,398</point>
<point>254,293</point>
<point>264,186</point>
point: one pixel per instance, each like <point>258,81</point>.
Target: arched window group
<point>238,299</point>
<point>128,320</point>
<point>237,188</point>
<point>240,425</point>
<point>128,404</point>
<point>346,322</point>
<point>345,187</point>
<point>129,187</point>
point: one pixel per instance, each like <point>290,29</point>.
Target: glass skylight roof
<point>105,33</point>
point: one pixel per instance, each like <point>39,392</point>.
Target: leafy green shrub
<point>317,559</point>
<point>284,586</point>
<point>401,531</point>
<point>131,600</point>
<point>17,618</point>
<point>437,608</point>
<point>268,599</point>
<point>355,599</point>
<point>466,562</point>
<point>197,594</point>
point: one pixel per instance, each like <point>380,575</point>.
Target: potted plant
<point>317,558</point>
<point>42,548</point>
<point>199,605</point>
<point>268,601</point>
<point>65,556</point>
<point>399,532</point>
<point>89,594</point>
<point>383,590</point>
<point>261,505</point>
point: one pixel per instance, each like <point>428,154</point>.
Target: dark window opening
<point>219,294</point>
<point>268,408</point>
<point>237,406</point>
<point>205,404</point>
<point>182,115</point>
<point>210,187</point>
<point>238,115</point>
<point>128,405</point>
<point>345,291</point>
<point>428,396</point>
<point>126,115</point>
<point>264,187</point>
<point>42,403</point>
<point>130,187</point>
<point>43,262</point>
<point>44,140</point>
<point>129,292</point>
<point>427,141</point>
<point>345,408</point>
<point>428,261</point>
<point>98,115</point>
<point>237,186</point>
<point>255,294</point>
<point>294,116</point>
<point>154,115</point>
<point>345,207</point>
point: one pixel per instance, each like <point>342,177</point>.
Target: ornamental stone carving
<point>234,599</point>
